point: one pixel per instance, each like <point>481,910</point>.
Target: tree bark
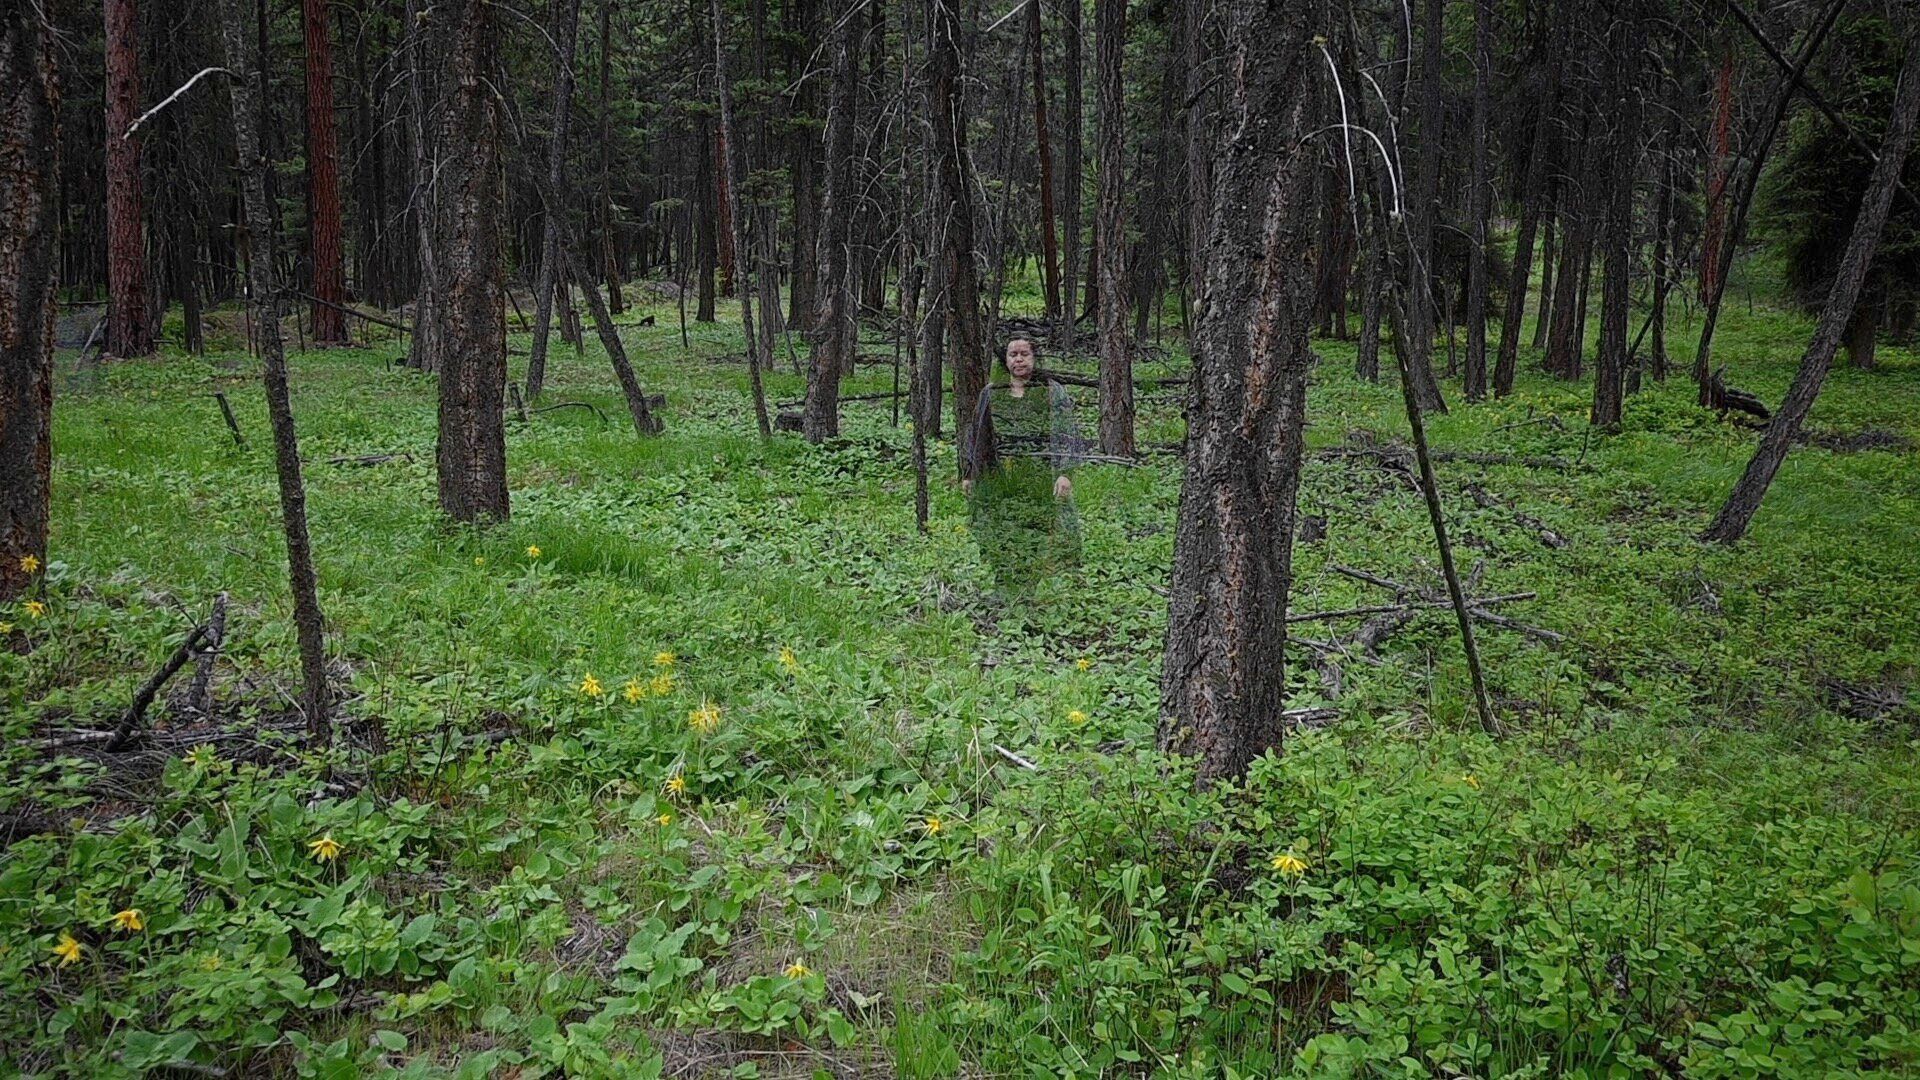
<point>1734,518</point>
<point>327,245</point>
<point>608,249</point>
<point>564,22</point>
<point>1615,349</point>
<point>1223,687</point>
<point>1719,170</point>
<point>128,331</point>
<point>29,221</point>
<point>1110,247</point>
<point>1043,145</point>
<point>1662,272</point>
<point>1544,317</point>
<point>706,243</point>
<point>732,166</point>
<point>834,330</point>
<point>471,298</point>
<point>953,171</point>
<point>1199,148</point>
<point>1533,205</point>
<point>425,351</point>
<point>1072,157</point>
<point>1480,201</point>
<point>265,294</point>
<point>1426,208</point>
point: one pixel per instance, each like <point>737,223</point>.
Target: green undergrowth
<point>708,763</point>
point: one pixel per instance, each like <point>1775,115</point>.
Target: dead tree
<point>1223,686</point>
<point>266,302</point>
<point>29,219</point>
<point>1731,523</point>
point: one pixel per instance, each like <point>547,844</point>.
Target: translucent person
<point>1016,473</point>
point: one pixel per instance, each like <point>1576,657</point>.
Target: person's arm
<point>1063,439</point>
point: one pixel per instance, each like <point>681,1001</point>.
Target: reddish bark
<point>1720,169</point>
<point>128,331</point>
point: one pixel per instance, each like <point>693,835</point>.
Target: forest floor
<point>708,763</point>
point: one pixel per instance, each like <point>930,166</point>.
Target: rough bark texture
<point>644,422</point>
<point>1425,206</point>
<point>1223,686</point>
<point>564,26</point>
<point>1533,199</point>
<point>609,252</point>
<point>1719,169</point>
<point>1110,247</point>
<point>425,350</point>
<point>731,165</point>
<point>1610,368</point>
<point>953,171</point>
<point>1733,519</point>
<point>1072,155</point>
<point>1199,147</point>
<point>834,336</point>
<point>128,331</point>
<point>706,241</point>
<point>327,248</point>
<point>1043,145</point>
<point>307,619</point>
<point>29,226</point>
<point>1480,202</point>
<point>471,300</point>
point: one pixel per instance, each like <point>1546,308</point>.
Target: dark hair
<point>1008,344</point>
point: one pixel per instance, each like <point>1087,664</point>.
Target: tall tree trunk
<point>1223,686</point>
<point>308,621</point>
<point>29,180</point>
<point>953,169</point>
<point>732,166</point>
<point>128,331</point>
<point>834,335</point>
<point>1733,519</point>
<point>1564,338</point>
<point>1199,150</point>
<point>803,35</point>
<point>1719,171</point>
<point>564,22</point>
<point>1043,144</point>
<point>1534,197</point>
<point>1662,272</point>
<point>425,352</point>
<point>471,298</point>
<point>323,182</point>
<point>1110,248</point>
<point>1544,317</point>
<point>1480,200</point>
<point>1426,207</point>
<point>706,245</point>
<point>609,251</point>
<point>1072,158</point>
<point>1615,349</point>
<point>1863,330</point>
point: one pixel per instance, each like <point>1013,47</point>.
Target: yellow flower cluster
<point>705,719</point>
<point>68,950</point>
<point>590,686</point>
<point>1075,716</point>
<point>533,551</point>
<point>131,921</point>
<point>932,826</point>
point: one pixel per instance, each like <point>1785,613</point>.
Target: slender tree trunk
<point>323,182</point>
<point>803,32</point>
<point>1863,329</point>
<point>1564,338</point>
<point>1199,150</point>
<point>609,251</point>
<point>29,181</point>
<point>1544,317</point>
<point>1116,361</point>
<point>1480,199</point>
<point>834,328</point>
<point>1426,208</point>
<point>732,165</point>
<point>1223,686</point>
<point>425,352</point>
<point>1615,349</point>
<point>1043,144</point>
<point>1662,272</point>
<point>264,289</point>
<point>953,169</point>
<point>1071,153</point>
<point>1533,205</point>
<point>564,22</point>
<point>706,246</point>
<point>128,331</point>
<point>1719,171</point>
<point>1842,297</point>
<point>471,300</point>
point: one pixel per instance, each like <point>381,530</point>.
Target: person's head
<point>1019,358</point>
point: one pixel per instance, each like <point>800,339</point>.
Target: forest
<point>527,547</point>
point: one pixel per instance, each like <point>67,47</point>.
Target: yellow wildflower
<point>663,820</point>
<point>1075,716</point>
<point>325,849</point>
<point>704,719</point>
<point>479,560</point>
<point>68,950</point>
<point>932,826</point>
<point>1083,664</point>
<point>797,970</point>
<point>633,691</point>
<point>36,609</point>
<point>664,659</point>
<point>661,684</point>
<point>676,784</point>
<point>590,686</point>
<point>533,551</point>
<point>6,628</point>
<point>1472,781</point>
<point>130,920</point>
<point>29,562</point>
<point>789,662</point>
<point>1290,864</point>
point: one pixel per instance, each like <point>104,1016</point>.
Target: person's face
<point>1020,358</point>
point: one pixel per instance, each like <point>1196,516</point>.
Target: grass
<point>1690,854</point>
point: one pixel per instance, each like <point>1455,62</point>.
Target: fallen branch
<point>141,700</point>
<point>574,405</point>
<point>233,425</point>
<point>1016,758</point>
<point>1382,609</point>
<point>197,695</point>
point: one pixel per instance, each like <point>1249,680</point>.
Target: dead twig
<point>144,698</point>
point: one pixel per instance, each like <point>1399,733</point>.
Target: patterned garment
<point>1021,446</point>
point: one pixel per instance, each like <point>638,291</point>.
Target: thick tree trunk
<point>1863,330</point>
<point>563,25</point>
<point>1842,297</point>
<point>834,330</point>
<point>1072,158</point>
<point>264,288</point>
<point>1614,356</point>
<point>732,165</point>
<point>29,180</point>
<point>1043,144</point>
<point>323,183</point>
<point>1223,686</point>
<point>1480,202</point>
<point>953,170</point>
<point>128,331</point>
<point>1116,360</point>
<point>471,298</point>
